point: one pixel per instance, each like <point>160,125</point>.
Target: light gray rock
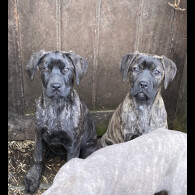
<point>148,164</point>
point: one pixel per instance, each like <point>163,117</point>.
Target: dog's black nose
<point>143,84</point>
<point>56,86</point>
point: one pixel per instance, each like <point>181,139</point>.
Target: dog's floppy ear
<point>80,65</point>
<point>170,70</point>
<point>125,63</point>
<point>34,62</point>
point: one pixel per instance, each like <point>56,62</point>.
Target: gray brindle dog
<point>154,163</point>
<point>64,125</point>
<point>143,108</point>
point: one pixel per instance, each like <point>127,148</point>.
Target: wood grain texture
<point>180,119</point>
<point>116,38</point>
<point>15,92</point>
<point>37,24</point>
<point>100,31</point>
<point>78,25</point>
<point>162,31</point>
<point>177,53</point>
<point>154,27</point>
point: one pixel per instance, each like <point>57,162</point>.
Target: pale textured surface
<point>145,165</point>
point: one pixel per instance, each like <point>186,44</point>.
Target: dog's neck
<point>144,110</point>
<point>145,103</point>
<point>142,103</point>
<point>57,103</point>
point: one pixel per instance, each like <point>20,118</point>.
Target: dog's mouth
<point>56,94</point>
<point>141,96</point>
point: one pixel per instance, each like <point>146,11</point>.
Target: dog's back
<point>146,165</point>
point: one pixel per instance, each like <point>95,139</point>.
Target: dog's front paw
<point>32,179</point>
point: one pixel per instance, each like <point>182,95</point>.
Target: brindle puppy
<point>64,124</point>
<point>143,108</point>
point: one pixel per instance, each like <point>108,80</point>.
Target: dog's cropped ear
<point>125,63</point>
<point>34,62</point>
<point>170,70</point>
<point>80,65</point>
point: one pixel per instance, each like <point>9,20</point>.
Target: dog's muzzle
<point>143,87</point>
<point>56,87</point>
<point>143,84</point>
<point>143,90</point>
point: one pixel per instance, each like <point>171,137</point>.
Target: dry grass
<point>19,161</point>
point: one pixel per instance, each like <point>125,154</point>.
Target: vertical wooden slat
<point>177,52</point>
<point>15,92</point>
<point>102,32</point>
<point>155,27</point>
<point>37,24</point>
<point>180,120</point>
<point>162,31</point>
<point>78,25</point>
<point>116,38</point>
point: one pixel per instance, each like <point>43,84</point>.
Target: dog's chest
<point>136,121</point>
<point>52,120</point>
<point>139,119</point>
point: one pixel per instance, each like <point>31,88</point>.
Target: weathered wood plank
<point>177,52</point>
<point>102,32</point>
<point>117,32</point>
<point>78,34</point>
<point>154,34</point>
<point>37,24</point>
<point>15,94</point>
<point>23,127</point>
<point>180,120</point>
<point>154,27</point>
<point>162,31</point>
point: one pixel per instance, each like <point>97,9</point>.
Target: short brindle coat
<point>64,124</point>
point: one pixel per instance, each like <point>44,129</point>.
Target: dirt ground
<point>19,161</point>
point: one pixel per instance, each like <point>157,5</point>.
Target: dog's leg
<point>48,153</point>
<point>73,152</point>
<point>33,176</point>
<point>91,146</point>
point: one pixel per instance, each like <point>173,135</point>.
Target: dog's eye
<point>135,68</point>
<point>46,69</point>
<point>156,72</point>
<point>64,70</point>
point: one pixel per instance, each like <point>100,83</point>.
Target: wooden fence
<point>101,31</point>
